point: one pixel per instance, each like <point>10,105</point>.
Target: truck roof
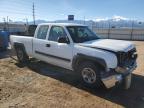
<point>63,24</point>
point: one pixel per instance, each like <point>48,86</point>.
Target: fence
<point>120,33</point>
<point>13,27</point>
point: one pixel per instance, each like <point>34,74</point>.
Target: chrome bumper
<point>119,77</point>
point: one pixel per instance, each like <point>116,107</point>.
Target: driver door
<point>60,53</point>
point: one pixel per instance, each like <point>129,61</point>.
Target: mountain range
<point>115,22</point>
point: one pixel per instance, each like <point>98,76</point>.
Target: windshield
<point>81,34</point>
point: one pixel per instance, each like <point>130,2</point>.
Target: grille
<point>126,57</point>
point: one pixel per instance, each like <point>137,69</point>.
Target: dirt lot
<point>40,85</point>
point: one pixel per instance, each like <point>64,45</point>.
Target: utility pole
<point>7,23</point>
<point>132,29</point>
<point>109,25</point>
<point>33,13</point>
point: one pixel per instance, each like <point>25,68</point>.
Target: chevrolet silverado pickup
<point>75,47</point>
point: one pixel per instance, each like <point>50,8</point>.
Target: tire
<point>89,75</point>
<point>21,55</point>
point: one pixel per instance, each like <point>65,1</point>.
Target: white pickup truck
<point>75,47</point>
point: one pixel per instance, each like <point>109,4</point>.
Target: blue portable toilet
<point>4,39</point>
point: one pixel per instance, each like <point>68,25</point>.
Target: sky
<point>50,10</point>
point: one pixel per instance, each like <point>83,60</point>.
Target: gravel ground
<point>41,85</point>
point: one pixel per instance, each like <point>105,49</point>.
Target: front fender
<point>105,58</point>
<point>80,57</point>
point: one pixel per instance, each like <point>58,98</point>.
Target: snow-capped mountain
<point>114,22</point>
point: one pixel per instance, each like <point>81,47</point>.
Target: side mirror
<point>63,40</point>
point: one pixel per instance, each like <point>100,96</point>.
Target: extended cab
<point>76,47</point>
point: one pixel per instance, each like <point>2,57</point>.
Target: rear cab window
<point>42,32</point>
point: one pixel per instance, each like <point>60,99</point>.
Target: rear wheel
<point>21,55</point>
<point>89,74</point>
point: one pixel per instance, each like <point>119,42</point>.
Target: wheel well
<point>79,61</point>
<point>20,45</point>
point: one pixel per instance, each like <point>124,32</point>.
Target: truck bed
<point>26,40</point>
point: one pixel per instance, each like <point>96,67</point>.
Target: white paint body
<point>68,51</point>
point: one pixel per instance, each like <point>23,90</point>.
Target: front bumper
<point>115,78</point>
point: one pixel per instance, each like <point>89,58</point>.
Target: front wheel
<point>90,74</point>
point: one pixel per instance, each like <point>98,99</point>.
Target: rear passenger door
<point>40,43</point>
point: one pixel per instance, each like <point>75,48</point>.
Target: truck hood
<point>109,44</point>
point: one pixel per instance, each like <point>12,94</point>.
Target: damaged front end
<point>122,73</point>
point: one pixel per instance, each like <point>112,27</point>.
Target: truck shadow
<point>132,98</point>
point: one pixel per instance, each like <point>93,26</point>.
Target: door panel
<point>62,52</point>
<point>40,43</point>
<point>51,51</point>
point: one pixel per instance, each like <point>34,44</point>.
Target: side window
<point>56,32</point>
<point>42,32</point>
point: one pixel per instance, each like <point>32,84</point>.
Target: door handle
<point>47,45</point>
